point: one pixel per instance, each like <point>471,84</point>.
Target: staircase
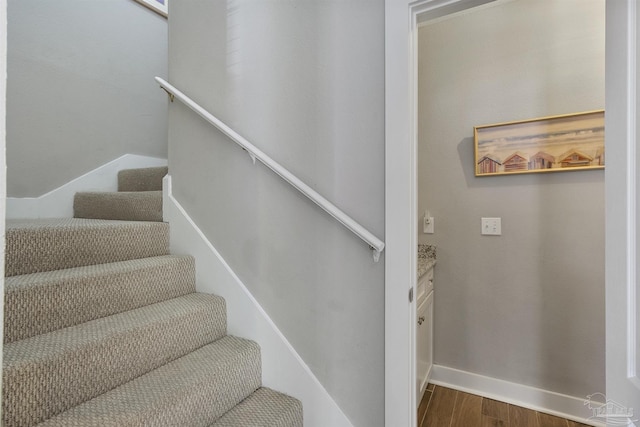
<point>103,327</point>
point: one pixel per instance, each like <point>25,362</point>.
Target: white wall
<point>80,89</point>
<point>526,307</point>
<point>304,81</point>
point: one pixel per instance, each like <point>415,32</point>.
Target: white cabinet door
<point>424,344</point>
<point>425,285</point>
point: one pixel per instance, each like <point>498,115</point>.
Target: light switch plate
<point>428,225</point>
<point>491,226</point>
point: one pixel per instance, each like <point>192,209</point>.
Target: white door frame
<point>401,19</point>
<point>622,184</point>
<point>3,163</point>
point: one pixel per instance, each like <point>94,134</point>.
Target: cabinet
<point>424,332</point>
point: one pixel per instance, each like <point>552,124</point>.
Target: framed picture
<point>158,6</point>
<point>550,144</point>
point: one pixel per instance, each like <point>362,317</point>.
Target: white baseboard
<point>58,203</point>
<point>548,402</point>
<point>282,367</point>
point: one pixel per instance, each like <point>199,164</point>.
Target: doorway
<point>521,306</point>
<point>401,201</point>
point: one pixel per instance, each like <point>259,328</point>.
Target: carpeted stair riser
<point>47,245</point>
<point>50,373</point>
<point>146,179</point>
<point>38,303</point>
<point>264,408</point>
<point>194,390</point>
<point>129,206</point>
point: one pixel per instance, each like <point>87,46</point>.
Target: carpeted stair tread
<point>50,373</point>
<point>194,390</point>
<point>264,408</point>
<point>52,244</point>
<point>143,179</point>
<point>38,303</point>
<point>124,206</point>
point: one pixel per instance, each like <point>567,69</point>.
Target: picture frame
<point>161,7</point>
<point>563,143</point>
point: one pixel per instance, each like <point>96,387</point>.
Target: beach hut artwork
<point>550,144</point>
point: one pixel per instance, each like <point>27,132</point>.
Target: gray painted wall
<point>80,89</point>
<point>527,306</point>
<point>304,81</point>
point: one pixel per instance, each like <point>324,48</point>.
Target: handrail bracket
<point>171,96</point>
<point>376,254</point>
<point>253,156</point>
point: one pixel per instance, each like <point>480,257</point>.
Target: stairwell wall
<point>80,89</point>
<point>303,81</point>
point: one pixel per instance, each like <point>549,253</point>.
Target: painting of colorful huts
<point>549,144</point>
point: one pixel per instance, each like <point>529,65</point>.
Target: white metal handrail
<point>376,245</point>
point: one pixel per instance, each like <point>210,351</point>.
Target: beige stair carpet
<point>72,365</point>
<point>265,407</point>
<point>104,328</point>
<point>52,244</point>
<point>190,391</point>
<point>125,206</point>
<point>38,303</point>
<point>146,179</point>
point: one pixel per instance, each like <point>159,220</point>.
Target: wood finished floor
<point>444,407</point>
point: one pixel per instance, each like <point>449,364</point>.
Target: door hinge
<point>411,295</point>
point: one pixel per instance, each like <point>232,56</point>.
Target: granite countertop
<point>426,258</point>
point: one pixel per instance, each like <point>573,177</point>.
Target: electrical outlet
<point>491,226</point>
<point>428,225</point>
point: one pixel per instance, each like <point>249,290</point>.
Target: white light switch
<point>492,226</point>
